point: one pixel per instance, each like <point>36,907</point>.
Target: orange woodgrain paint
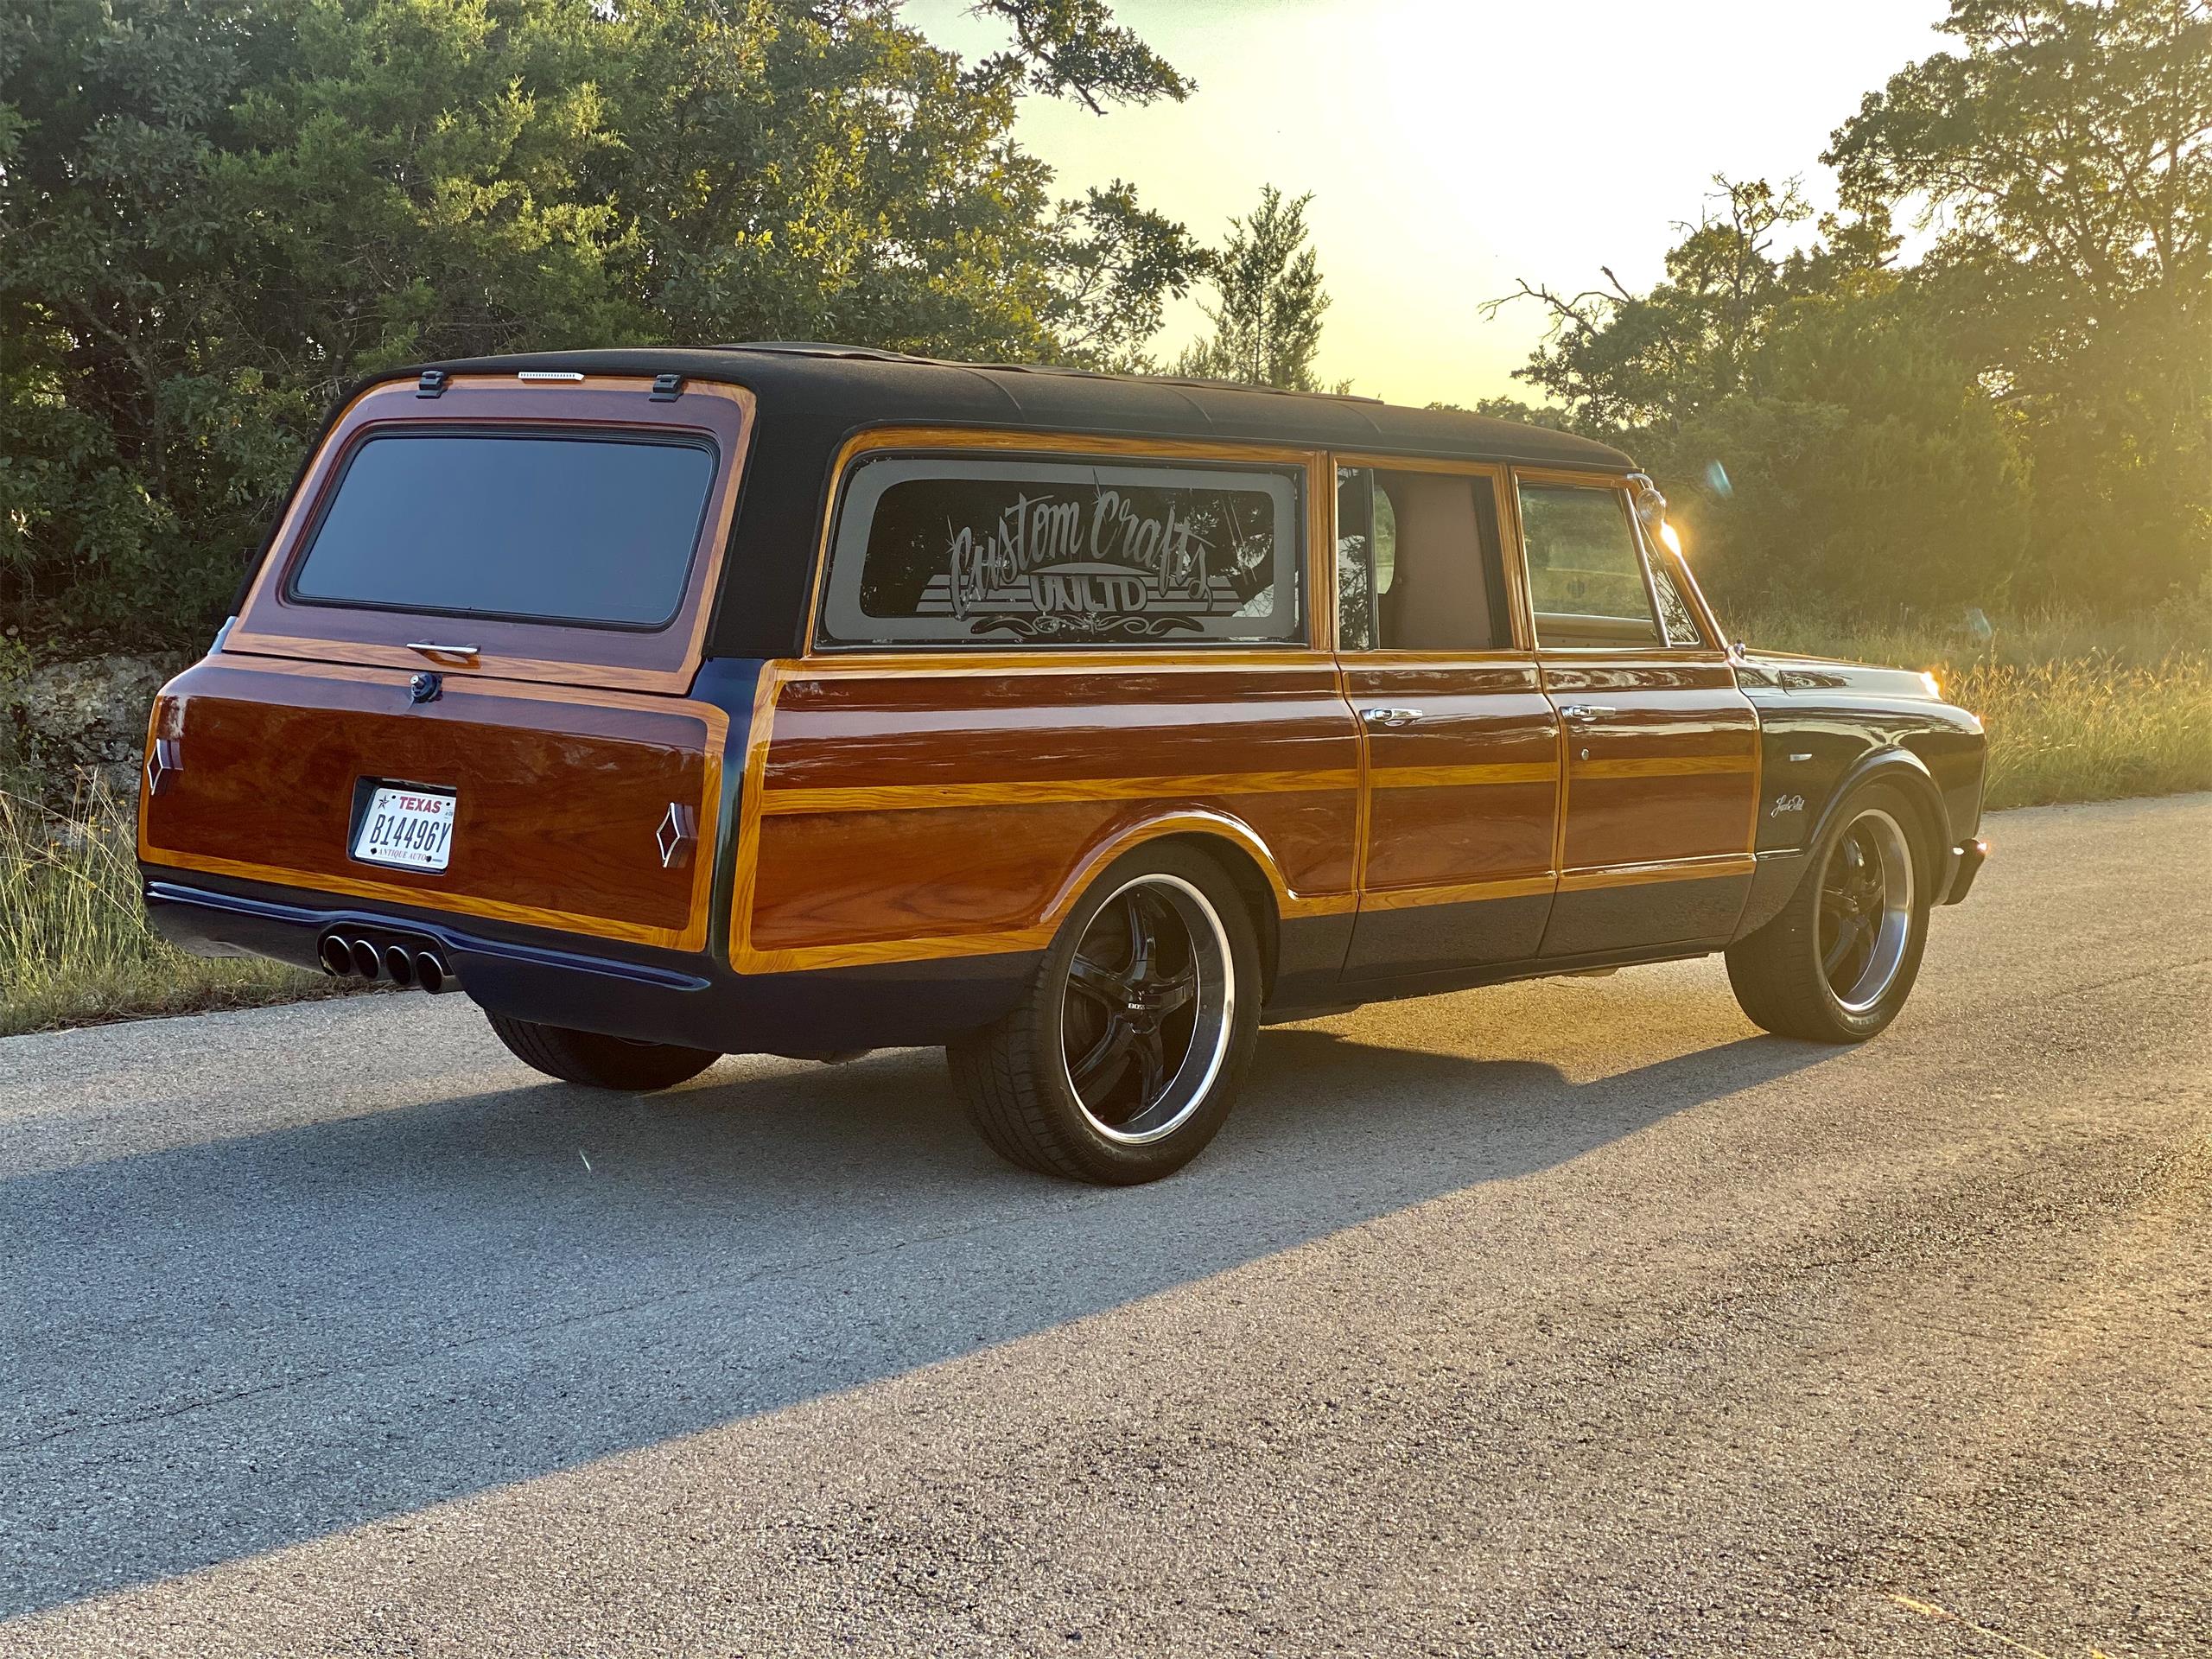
<point>1465,794</point>
<point>558,795</point>
<point>1670,772</point>
<point>901,814</point>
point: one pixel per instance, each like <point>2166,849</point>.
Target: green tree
<point>1266,328</point>
<point>1074,47</point>
<point>1864,466</point>
<point>2066,147</point>
<point>1623,361</point>
<point>1112,263</point>
<point>215,213</point>
<point>1817,436</point>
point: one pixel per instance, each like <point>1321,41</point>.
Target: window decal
<point>982,550</point>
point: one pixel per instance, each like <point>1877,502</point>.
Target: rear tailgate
<point>584,782</point>
<point>580,811</point>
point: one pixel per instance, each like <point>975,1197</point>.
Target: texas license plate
<point>411,828</point>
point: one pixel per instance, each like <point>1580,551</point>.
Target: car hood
<point>1788,670</point>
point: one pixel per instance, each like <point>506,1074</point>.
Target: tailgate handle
<point>464,655</point>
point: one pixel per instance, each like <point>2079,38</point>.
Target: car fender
<point>1891,764</point>
<point>1779,873</point>
<point>1194,822</point>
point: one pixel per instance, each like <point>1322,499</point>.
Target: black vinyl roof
<point>859,387</point>
<point>812,397</point>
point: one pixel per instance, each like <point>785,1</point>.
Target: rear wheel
<point>597,1060</point>
<point>1837,963</point>
<point>1124,1059</point>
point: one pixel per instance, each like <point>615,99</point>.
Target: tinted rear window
<point>597,530</point>
<point>979,550</point>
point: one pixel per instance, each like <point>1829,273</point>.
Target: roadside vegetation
<point>2077,708</point>
<point>75,946</point>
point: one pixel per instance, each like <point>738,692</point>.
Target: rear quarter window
<point>937,550</point>
<point>588,530</point>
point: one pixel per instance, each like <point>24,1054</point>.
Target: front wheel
<point>1837,963</point>
<point>599,1061</point>
<point>1121,1063</point>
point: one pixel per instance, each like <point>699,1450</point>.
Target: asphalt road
<point>1569,1317</point>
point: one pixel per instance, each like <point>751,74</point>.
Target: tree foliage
<point>2024,413</point>
<point>1074,47</point>
<point>215,213</point>
<point>2066,153</point>
<point>1801,409</point>
<point>1112,264</point>
<point>1266,326</point>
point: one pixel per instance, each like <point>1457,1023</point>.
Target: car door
<point>1461,746</point>
<point>1661,756</point>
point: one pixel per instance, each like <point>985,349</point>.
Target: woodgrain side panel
<point>560,796</point>
<point>901,814</point>
<point>1462,807</point>
<point>1466,791</point>
<point>1661,785</point>
<point>1668,771</point>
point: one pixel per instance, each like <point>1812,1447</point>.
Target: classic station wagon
<point>801,700</point>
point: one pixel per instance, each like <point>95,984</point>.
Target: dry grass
<point>2091,730</point>
<point>75,946</point>
<point>2076,709</point>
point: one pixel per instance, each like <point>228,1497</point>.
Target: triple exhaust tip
<point>358,958</point>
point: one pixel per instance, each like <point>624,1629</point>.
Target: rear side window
<point>1418,562</point>
<point>934,549</point>
<point>1585,573</point>
<point>597,530</point>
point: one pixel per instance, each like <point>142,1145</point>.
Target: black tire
<point>1156,1099</point>
<point>1838,961</point>
<point>599,1061</point>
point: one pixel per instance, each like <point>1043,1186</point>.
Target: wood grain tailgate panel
<point>559,793</point>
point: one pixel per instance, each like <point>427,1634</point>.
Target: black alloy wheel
<point>1144,1022</point>
<point>1121,1062</point>
<point>1839,959</point>
<point>1866,892</point>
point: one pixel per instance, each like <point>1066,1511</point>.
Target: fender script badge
<point>1786,804</point>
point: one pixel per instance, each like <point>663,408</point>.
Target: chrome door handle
<point>1389,716</point>
<point>1586,711</point>
<point>465,656</point>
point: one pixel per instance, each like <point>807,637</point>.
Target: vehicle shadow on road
<point>267,1339</point>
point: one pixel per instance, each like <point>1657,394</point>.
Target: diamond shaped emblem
<point>678,831</point>
<point>164,759</point>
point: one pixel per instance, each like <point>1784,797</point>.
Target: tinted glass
<point>1585,577</point>
<point>596,530</point>
<point>1427,546</point>
<point>937,550</point>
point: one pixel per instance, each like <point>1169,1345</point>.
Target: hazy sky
<point>1451,148</point>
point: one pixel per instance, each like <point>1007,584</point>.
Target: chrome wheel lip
<point>1888,913</point>
<point>1214,1020</point>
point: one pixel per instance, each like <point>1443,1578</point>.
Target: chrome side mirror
<point>1650,506</point>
